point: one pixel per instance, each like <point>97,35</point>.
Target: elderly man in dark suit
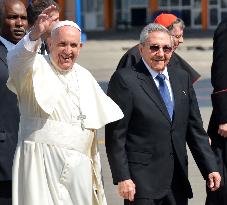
<point>176,27</point>
<point>13,23</point>
<point>217,129</point>
<point>147,148</point>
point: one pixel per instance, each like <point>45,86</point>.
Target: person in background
<point>13,25</point>
<point>217,128</point>
<point>176,27</point>
<point>34,9</point>
<point>147,148</point>
<point>61,106</point>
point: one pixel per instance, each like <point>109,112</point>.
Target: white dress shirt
<point>154,75</point>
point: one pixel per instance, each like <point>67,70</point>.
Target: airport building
<point>122,14</point>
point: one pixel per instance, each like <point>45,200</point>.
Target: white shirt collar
<point>7,44</point>
<point>154,73</point>
<point>165,73</point>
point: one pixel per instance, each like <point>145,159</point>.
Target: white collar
<point>57,68</point>
<point>7,44</point>
<point>154,73</point>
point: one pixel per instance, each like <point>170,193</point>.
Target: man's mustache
<point>21,29</point>
<point>159,59</point>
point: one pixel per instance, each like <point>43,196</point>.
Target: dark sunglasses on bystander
<point>155,48</point>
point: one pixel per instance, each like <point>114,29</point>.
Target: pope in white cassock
<point>61,106</point>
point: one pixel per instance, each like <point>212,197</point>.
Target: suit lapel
<point>176,88</point>
<point>148,85</point>
<point>3,53</point>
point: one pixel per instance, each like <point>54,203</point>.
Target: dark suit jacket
<point>219,102</point>
<point>219,75</point>
<point>144,144</point>
<point>132,56</point>
<point>9,120</point>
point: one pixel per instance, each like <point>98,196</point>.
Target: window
<point>197,3</point>
<point>197,18</point>
<point>186,16</point>
<point>213,2</point>
<point>163,3</point>
<point>224,4</point>
<point>174,2</point>
<point>224,15</point>
<point>213,16</point>
<point>186,2</point>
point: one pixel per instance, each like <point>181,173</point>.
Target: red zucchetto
<point>165,19</point>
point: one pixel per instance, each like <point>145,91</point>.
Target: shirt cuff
<point>32,46</point>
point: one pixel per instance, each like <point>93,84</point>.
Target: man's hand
<point>222,130</point>
<point>214,180</point>
<point>43,23</point>
<point>127,189</point>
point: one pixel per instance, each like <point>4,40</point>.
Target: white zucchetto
<point>60,24</point>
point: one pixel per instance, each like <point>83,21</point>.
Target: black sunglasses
<point>156,48</point>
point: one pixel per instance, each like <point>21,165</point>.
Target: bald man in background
<point>13,24</point>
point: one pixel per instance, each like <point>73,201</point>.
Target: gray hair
<point>152,27</point>
<point>178,21</point>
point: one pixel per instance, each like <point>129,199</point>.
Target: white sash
<point>58,133</point>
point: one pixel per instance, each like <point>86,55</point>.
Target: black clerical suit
<point>9,122</point>
<point>219,113</point>
<point>132,56</point>
<point>146,146</point>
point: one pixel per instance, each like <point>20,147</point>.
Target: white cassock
<point>56,161</point>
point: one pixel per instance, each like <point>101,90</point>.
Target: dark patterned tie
<point>164,91</point>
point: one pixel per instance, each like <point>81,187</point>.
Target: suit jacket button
<point>171,155</point>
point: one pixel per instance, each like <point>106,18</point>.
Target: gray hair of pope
<point>152,27</point>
